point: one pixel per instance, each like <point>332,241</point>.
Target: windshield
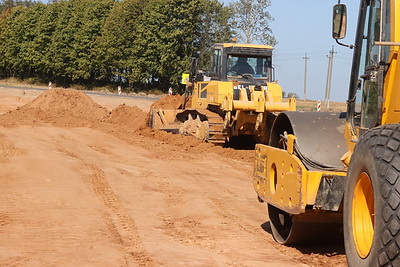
<point>259,67</point>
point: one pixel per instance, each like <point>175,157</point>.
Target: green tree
<point>167,39</point>
<point>71,53</point>
<point>174,31</point>
<point>59,51</point>
<point>214,27</point>
<point>252,21</point>
<point>4,29</point>
<point>43,42</point>
<point>8,4</point>
<point>148,44</point>
<point>30,53</point>
<point>115,53</point>
<point>11,39</point>
<point>90,17</point>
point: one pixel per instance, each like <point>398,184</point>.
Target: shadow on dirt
<point>328,246</point>
<point>241,143</point>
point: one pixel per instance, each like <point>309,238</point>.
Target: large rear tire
<point>371,223</point>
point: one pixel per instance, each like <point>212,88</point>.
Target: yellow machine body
<point>295,184</point>
<point>317,168</point>
<point>228,102</point>
<point>281,179</point>
<point>219,93</point>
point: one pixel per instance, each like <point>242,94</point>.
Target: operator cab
<point>371,62</point>
<point>242,62</point>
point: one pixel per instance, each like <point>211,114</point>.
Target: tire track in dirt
<point>120,224</point>
<point>180,224</point>
<point>4,220</point>
<point>318,256</point>
<point>117,218</point>
<point>192,230</point>
<point>232,224</point>
<point>196,229</point>
<point>13,261</point>
<point>7,149</point>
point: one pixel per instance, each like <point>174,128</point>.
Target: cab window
<point>259,67</point>
<point>216,61</point>
<point>376,29</point>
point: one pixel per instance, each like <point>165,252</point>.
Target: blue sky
<point>305,27</point>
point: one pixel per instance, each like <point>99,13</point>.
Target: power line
<point>305,76</point>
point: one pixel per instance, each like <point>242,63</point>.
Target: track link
<point>216,133</point>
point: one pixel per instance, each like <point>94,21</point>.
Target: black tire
<point>372,230</point>
<point>284,230</point>
<point>289,229</point>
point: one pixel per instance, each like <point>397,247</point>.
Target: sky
<point>306,27</point>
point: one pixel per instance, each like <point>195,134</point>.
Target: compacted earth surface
<point>85,182</point>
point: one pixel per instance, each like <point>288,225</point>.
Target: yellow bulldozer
<point>237,97</point>
<point>338,172</point>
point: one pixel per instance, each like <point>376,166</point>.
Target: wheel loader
<point>340,172</point>
<point>237,97</point>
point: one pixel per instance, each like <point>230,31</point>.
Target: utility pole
<point>305,76</point>
<point>329,78</point>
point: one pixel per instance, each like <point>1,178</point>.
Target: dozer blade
<point>204,125</point>
<point>165,119</point>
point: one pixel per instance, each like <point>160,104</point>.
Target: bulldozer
<point>239,96</point>
<point>340,172</point>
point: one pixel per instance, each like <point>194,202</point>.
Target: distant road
<point>109,101</point>
<point>150,98</point>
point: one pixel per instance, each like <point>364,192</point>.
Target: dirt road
<point>86,183</point>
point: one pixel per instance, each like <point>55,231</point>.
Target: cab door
<point>372,65</point>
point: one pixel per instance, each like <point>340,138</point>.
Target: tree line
<point>135,43</point>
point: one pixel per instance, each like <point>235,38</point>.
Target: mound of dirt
<point>169,102</point>
<point>72,108</point>
<point>68,103</point>
<point>132,117</point>
<point>60,107</point>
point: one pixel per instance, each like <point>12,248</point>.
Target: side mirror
<point>339,24</point>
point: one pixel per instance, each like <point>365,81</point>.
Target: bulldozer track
<point>216,134</point>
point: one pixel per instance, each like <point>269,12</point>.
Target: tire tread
<point>384,142</point>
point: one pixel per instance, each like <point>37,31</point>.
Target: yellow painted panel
<point>391,104</point>
<point>282,180</point>
<point>278,178</point>
<point>391,94</point>
<point>276,91</point>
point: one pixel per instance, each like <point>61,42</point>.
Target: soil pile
<point>59,107</point>
<point>169,102</point>
<point>72,108</point>
<point>132,117</point>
